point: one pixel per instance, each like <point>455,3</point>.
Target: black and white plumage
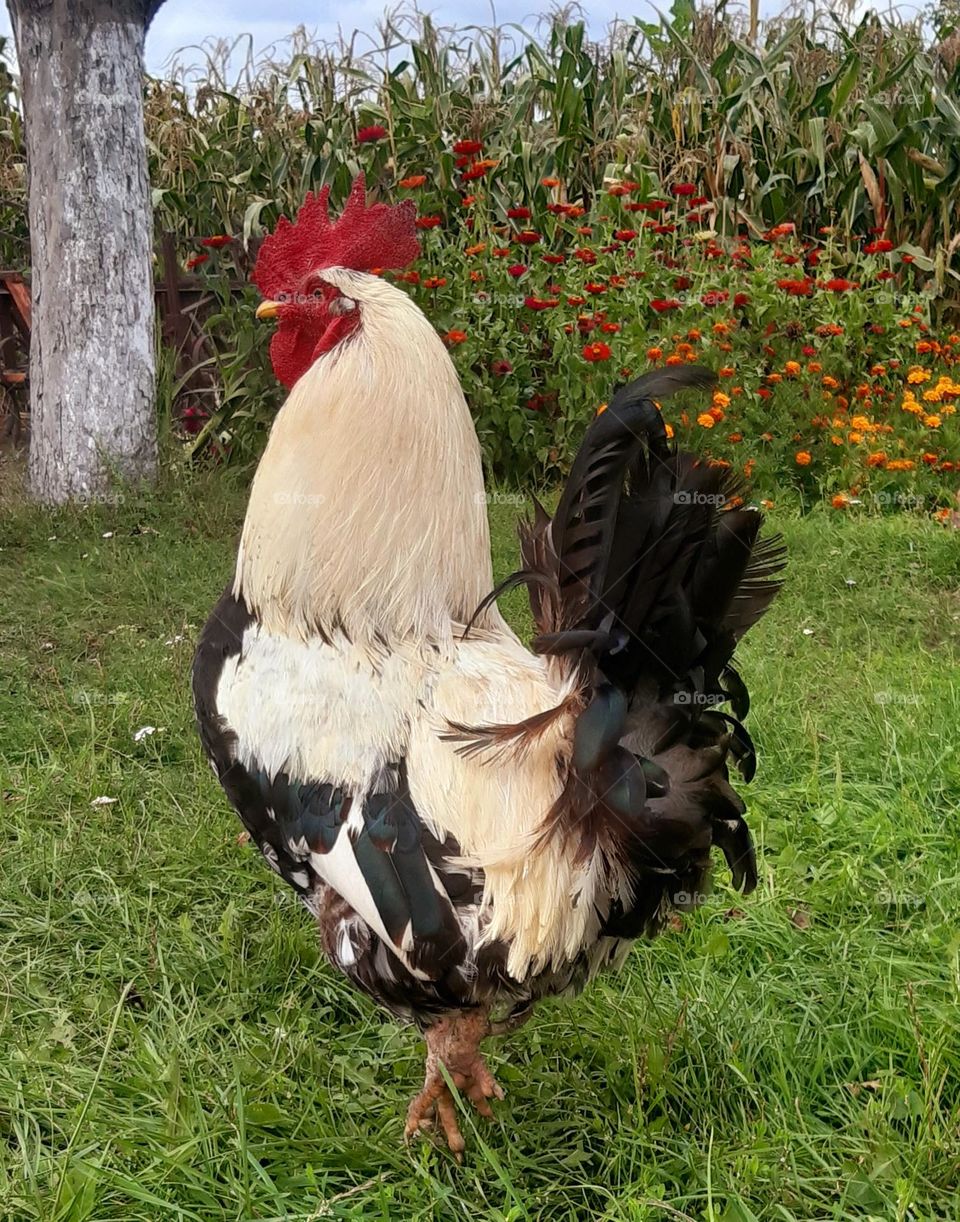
<point>475,824</point>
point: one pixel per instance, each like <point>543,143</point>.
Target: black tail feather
<point>648,575</point>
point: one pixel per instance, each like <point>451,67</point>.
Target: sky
<point>185,23</point>
<point>180,23</point>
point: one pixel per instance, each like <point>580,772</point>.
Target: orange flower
<point>840,501</point>
<point>791,368</point>
<point>727,371</point>
<point>932,422</point>
<point>877,459</point>
<point>550,182</point>
<point>414,181</point>
<point>455,337</point>
<point>720,399</point>
<point>803,458</point>
<point>654,354</point>
<point>705,420</point>
<point>476,249</point>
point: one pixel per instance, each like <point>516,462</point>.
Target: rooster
<point>475,825</point>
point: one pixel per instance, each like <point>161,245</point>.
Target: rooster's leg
<point>454,1042</point>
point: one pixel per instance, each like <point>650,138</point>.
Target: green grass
<point>174,1047</point>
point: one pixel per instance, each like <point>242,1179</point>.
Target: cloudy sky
<point>181,23</point>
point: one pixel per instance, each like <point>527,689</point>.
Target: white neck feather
<point>367,511</point>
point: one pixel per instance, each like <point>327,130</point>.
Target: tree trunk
<point>92,380</point>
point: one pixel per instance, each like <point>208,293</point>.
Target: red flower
<point>576,301</point>
<point>554,259</point>
<point>714,297</point>
<point>527,237</point>
<point>516,270</point>
<point>434,282</point>
<point>477,170</point>
<point>585,256</point>
<point>215,243</point>
<point>797,288</point>
<point>518,214</point>
<point>625,235</point>
<point>683,188</point>
<point>682,283</point>
<point>880,247</point>
<point>610,328</point>
<point>467,148</point>
<point>597,351</point>
<point>885,274</point>
<point>501,368</point>
<point>455,337</point>
<point>740,300</point>
<point>192,418</point>
<point>662,228</point>
<point>697,202</point>
<point>595,288</point>
<point>428,222</point>
<point>618,190</point>
<point>195,262</point>
<point>540,303</point>
<point>371,134</point>
<point>839,285</point>
<point>414,181</point>
<point>662,304</point>
<point>468,200</point>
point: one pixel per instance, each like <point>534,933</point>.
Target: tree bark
<point>92,376</point>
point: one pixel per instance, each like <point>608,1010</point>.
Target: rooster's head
<point>307,268</point>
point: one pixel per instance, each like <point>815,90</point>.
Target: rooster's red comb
<point>362,238</point>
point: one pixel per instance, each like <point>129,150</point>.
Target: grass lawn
<point>173,1046</point>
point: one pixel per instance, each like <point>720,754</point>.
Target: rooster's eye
<point>316,294</point>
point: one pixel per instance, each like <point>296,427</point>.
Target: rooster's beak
<point>268,309</point>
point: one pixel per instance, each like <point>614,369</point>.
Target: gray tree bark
<point>92,377</point>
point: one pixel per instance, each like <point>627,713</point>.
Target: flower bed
<point>832,379</point>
